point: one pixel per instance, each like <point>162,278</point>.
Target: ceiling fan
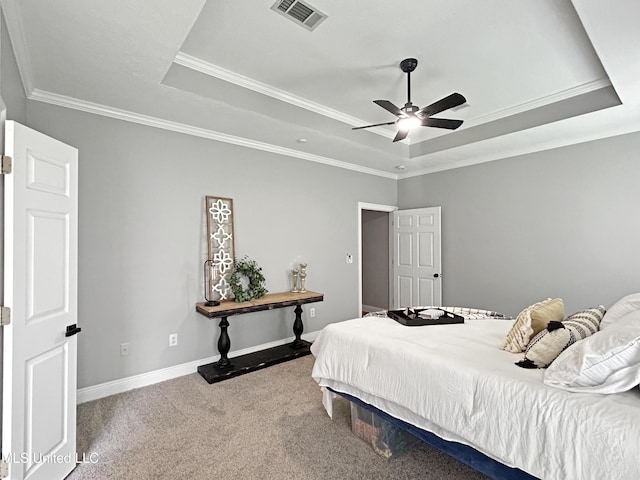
<point>410,116</point>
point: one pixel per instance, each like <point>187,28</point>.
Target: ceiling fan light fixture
<point>409,123</point>
<point>410,116</point>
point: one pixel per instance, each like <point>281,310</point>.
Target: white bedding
<point>455,381</point>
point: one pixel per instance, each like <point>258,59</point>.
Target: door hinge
<point>4,469</point>
<point>5,316</point>
<point>6,164</point>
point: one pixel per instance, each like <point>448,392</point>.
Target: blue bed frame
<point>464,453</point>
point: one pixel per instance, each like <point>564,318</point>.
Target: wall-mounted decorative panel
<point>220,245</point>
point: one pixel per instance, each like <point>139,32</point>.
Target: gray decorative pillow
<point>550,342</point>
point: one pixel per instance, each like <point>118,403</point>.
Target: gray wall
<point>561,223</point>
<point>556,223</point>
<point>375,259</point>
<point>142,238</point>
<point>10,83</point>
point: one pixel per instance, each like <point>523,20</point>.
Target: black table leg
<point>224,345</point>
<point>297,329</point>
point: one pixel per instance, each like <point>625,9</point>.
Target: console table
<point>228,368</point>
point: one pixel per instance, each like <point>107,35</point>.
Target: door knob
<point>436,275</point>
<point>72,330</point>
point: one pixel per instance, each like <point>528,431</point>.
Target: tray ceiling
<point>536,73</point>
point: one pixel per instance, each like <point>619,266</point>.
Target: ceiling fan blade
<point>389,107</point>
<point>441,123</point>
<point>374,125</point>
<point>401,135</point>
<point>443,104</point>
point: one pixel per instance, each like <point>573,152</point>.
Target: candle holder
<point>294,273</point>
<point>209,275</point>
<point>303,277</point>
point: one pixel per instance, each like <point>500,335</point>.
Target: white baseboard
<point>144,379</point>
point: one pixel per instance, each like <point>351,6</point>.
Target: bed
<point>456,383</point>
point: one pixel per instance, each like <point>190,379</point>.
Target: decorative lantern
<point>209,276</point>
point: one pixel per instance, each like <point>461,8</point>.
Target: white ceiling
<point>537,74</point>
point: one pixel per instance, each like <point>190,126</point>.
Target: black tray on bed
<point>411,317</point>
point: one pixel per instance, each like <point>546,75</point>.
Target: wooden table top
<point>268,302</point>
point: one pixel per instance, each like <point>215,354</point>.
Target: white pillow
<point>607,362</point>
<point>625,305</point>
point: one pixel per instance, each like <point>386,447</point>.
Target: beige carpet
<point>264,425</point>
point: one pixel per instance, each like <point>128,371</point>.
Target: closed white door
<point>40,282</point>
<point>417,276</point>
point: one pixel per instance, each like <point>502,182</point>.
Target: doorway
<point>375,252</point>
<point>416,277</point>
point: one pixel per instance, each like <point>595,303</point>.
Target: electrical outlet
<point>173,339</point>
<point>124,349</point>
<point>349,258</point>
<point>312,312</point>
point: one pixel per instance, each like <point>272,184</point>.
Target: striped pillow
<point>550,342</point>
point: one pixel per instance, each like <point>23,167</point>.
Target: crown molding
<point>540,102</point>
<point>612,122</point>
<point>128,116</point>
<point>15,29</point>
<point>212,70</point>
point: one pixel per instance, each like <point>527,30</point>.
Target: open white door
<point>40,287</point>
<point>416,257</point>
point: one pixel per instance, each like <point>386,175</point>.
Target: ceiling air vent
<point>299,12</point>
